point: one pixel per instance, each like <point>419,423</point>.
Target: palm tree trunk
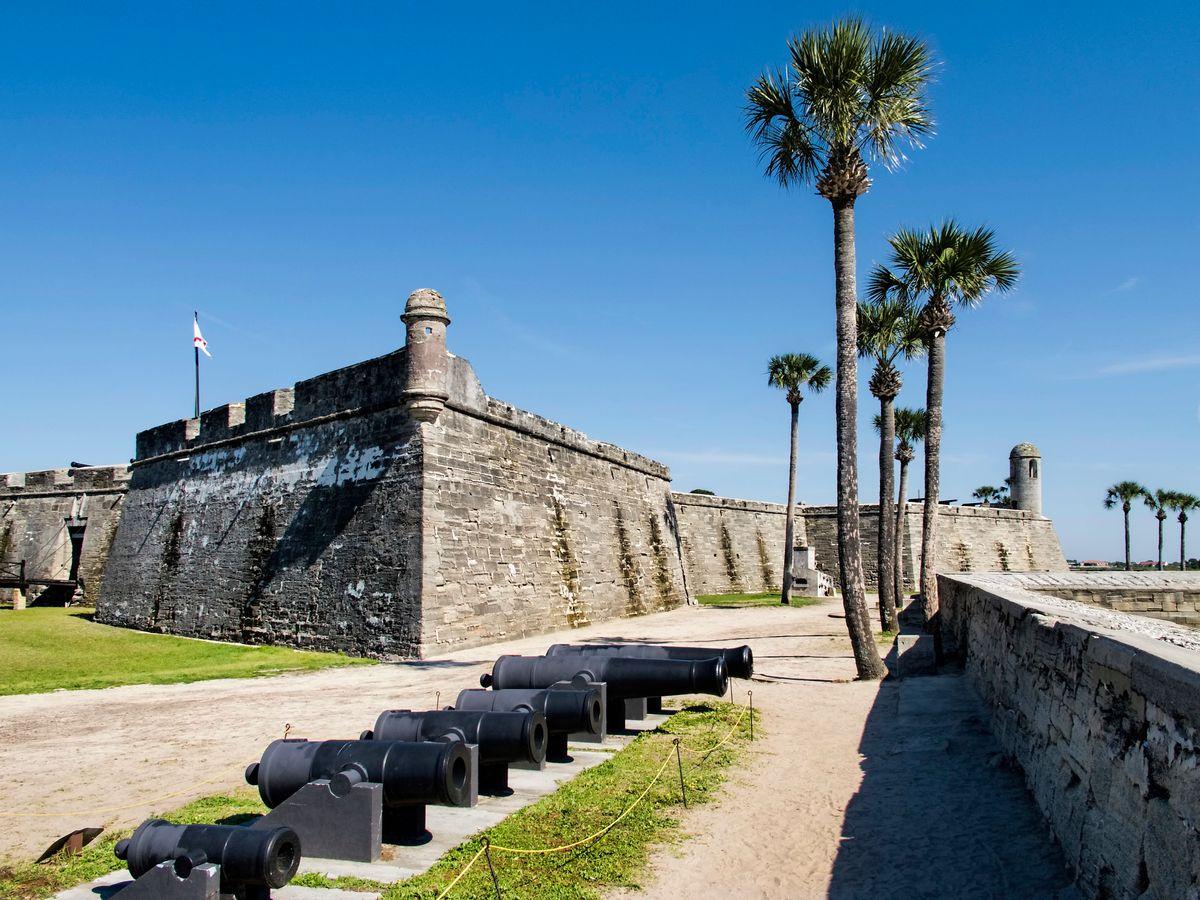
<point>789,539</point>
<point>886,543</point>
<point>1128,558</point>
<point>898,534</point>
<point>854,592</point>
<point>1160,539</point>
<point>1182,546</point>
<point>933,452</point>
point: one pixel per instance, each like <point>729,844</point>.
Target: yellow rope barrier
<point>719,743</point>
<point>466,869</point>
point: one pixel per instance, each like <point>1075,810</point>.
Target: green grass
<point>577,809</point>
<point>585,805</point>
<point>31,881</point>
<point>53,648</point>
<point>741,600</point>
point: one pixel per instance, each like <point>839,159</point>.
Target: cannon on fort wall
<point>170,860</point>
<point>625,678</point>
<point>567,709</point>
<point>344,797</point>
<point>503,738</point>
<point>738,660</point>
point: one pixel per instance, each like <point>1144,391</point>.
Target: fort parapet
<point>393,508</point>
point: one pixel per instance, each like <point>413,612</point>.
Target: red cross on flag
<point>198,340</point>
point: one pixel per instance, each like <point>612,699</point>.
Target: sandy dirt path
<point>86,752</point>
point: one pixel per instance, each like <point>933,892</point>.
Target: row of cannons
<point>344,799</point>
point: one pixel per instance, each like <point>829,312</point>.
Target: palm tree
<point>846,95</point>
<point>910,429</point>
<point>985,494</point>
<point>1159,501</point>
<point>886,331</point>
<point>944,265</point>
<point>1124,493</point>
<point>793,372</point>
<point>1183,503</point>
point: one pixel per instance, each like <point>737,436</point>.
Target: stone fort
<point>393,508</point>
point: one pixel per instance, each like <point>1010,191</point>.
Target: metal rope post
<point>487,854</point>
<point>679,761</point>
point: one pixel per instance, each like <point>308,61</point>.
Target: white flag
<point>198,340</point>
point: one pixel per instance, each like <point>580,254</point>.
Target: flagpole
<point>196,350</point>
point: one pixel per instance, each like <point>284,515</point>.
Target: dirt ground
<point>853,789</point>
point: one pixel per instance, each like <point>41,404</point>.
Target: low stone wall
<point>1173,596</point>
<point>732,546</point>
<point>1102,711</point>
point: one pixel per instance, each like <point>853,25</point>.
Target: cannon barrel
<point>625,677</point>
<point>411,773</point>
<point>566,710</point>
<point>738,660</point>
<point>503,737</point>
<point>247,856</point>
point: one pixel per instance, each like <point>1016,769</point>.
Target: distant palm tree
<point>910,429</point>
<point>846,95</point>
<point>1159,501</point>
<point>793,372</point>
<point>1183,503</point>
<point>986,494</point>
<point>943,266</point>
<point>1125,493</point>
<point>887,330</point>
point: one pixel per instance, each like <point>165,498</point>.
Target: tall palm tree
<point>793,372</point>
<point>846,96</point>
<point>910,429</point>
<point>1159,501</point>
<point>887,330</point>
<point>1124,493</point>
<point>944,266</point>
<point>1183,503</point>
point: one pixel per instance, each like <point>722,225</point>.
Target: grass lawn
<point>576,810</point>
<point>738,600</point>
<point>51,648</point>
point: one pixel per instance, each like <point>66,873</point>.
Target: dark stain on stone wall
<point>731,569</point>
<point>628,566</point>
<point>576,613</point>
<point>764,560</point>
<point>1002,556</point>
<point>963,556</point>
<point>258,573</point>
<point>167,568</point>
<point>662,574</point>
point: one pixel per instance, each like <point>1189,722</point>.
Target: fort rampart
<point>1101,710</point>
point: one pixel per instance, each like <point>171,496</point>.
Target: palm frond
<point>1123,492</point>
<point>910,424</point>
<point>785,144</point>
<point>793,372</point>
<point>897,112</point>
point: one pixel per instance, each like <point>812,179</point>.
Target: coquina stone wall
<point>1102,712</point>
<point>970,539</point>
<point>292,518</point>
<point>1173,596</point>
<point>530,526</point>
<point>733,546</point>
<point>39,513</point>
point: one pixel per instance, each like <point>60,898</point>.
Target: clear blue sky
<point>576,182</point>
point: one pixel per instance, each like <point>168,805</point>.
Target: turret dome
<point>1023,450</point>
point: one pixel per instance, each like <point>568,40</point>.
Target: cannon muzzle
<point>248,857</point>
<point>411,773</point>
<point>625,677</point>
<point>738,660</point>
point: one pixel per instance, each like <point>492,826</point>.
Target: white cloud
<point>1127,285</point>
<point>1152,364</point>
<point>728,458</point>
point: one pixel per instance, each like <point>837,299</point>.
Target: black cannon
<point>625,678</point>
<point>502,737</point>
<point>251,861</point>
<point>567,710</point>
<point>738,660</point>
<point>411,775</point>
